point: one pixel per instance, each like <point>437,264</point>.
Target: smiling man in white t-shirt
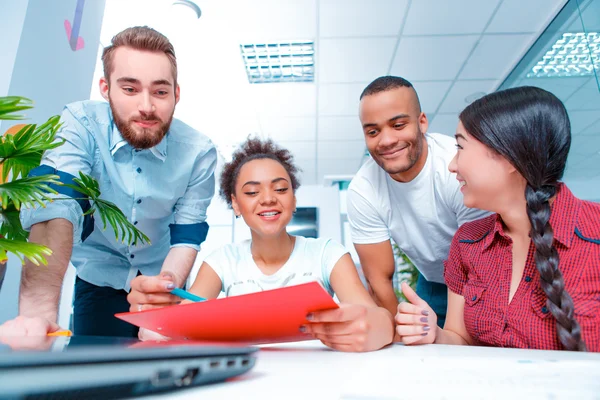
<point>405,192</point>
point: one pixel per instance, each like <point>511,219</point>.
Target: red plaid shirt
<point>479,267</point>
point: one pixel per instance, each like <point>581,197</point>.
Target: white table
<point>309,370</point>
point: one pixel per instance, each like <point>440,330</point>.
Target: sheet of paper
<point>263,317</point>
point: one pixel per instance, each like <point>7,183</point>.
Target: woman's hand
<point>417,323</point>
<point>352,327</point>
<point>146,334</point>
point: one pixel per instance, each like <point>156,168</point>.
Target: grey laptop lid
<point>109,368</point>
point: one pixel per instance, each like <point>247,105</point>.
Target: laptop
<point>111,368</point>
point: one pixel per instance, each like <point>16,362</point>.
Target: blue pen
<point>186,295</point>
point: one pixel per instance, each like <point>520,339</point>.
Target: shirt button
<point>527,279</point>
<point>139,170</point>
<point>132,256</point>
<point>474,298</point>
<point>139,201</point>
<point>545,310</point>
<point>135,222</point>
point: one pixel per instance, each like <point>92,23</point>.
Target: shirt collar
<point>563,216</point>
<point>117,142</point>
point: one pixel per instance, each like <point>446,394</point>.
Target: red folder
<point>263,317</point>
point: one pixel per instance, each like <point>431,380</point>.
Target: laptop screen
<point>104,367</point>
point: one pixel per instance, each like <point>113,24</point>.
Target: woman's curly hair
<point>255,149</point>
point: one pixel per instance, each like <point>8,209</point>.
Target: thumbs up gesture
<point>417,323</point>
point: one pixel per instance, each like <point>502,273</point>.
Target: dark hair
<point>255,149</point>
<point>385,83</point>
<point>139,38</point>
<point>530,128</point>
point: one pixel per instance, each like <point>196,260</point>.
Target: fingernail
<point>425,312</point>
<point>423,319</point>
<point>310,316</point>
<point>424,334</point>
<point>426,328</point>
<point>170,286</point>
<point>302,328</point>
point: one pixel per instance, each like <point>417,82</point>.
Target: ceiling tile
<point>585,145</point>
<point>284,99</point>
<point>354,60</point>
<point>586,98</point>
<point>301,150</point>
<point>431,58</point>
<point>463,93</point>
<point>593,129</point>
<point>270,20</point>
<point>340,99</point>
<point>562,88</point>
<point>444,123</point>
<point>338,18</point>
<point>308,171</point>
<point>591,18</point>
<point>431,94</point>
<point>341,149</point>
<point>495,56</point>
<point>288,128</point>
<point>581,120</point>
<point>438,17</point>
<point>524,16</point>
<point>340,128</point>
<point>345,166</point>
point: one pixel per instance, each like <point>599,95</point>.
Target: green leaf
<point>23,151</point>
<point>10,105</point>
<point>10,224</point>
<point>33,252</point>
<point>29,191</point>
<point>110,214</point>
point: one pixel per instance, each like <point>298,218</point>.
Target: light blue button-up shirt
<point>164,191</point>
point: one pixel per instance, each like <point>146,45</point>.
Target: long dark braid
<point>530,128</point>
<point>559,302</point>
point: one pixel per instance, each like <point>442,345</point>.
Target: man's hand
<point>28,326</point>
<point>148,292</point>
<point>417,322</point>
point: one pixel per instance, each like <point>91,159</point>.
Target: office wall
<point>37,62</point>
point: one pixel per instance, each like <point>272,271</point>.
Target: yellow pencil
<point>61,333</point>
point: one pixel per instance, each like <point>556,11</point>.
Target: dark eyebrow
<point>369,125</point>
<point>258,183</point>
<point>460,135</point>
<point>128,80</point>
<point>162,82</point>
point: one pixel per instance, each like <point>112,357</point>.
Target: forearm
<point>179,263</point>
<point>445,336</point>
<point>381,328</point>
<point>41,285</point>
<point>383,293</point>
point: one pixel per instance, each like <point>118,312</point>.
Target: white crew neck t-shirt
<point>421,215</point>
<point>311,260</point>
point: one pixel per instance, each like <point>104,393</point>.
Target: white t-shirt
<point>421,215</point>
<point>311,260</point>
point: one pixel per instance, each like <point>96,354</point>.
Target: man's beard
<point>415,149</point>
<point>144,138</point>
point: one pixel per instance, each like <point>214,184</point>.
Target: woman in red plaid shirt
<point>529,275</point>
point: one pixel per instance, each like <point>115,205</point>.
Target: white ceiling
<point>449,50</point>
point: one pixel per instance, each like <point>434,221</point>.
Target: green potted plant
<point>21,150</point>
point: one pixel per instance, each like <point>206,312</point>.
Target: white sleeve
<point>366,225</point>
<point>463,213</point>
<point>332,252</point>
<point>217,260</point>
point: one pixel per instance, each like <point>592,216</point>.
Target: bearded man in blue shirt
<point>156,169</point>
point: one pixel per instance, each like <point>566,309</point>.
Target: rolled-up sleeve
<point>190,228</point>
<point>66,161</point>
